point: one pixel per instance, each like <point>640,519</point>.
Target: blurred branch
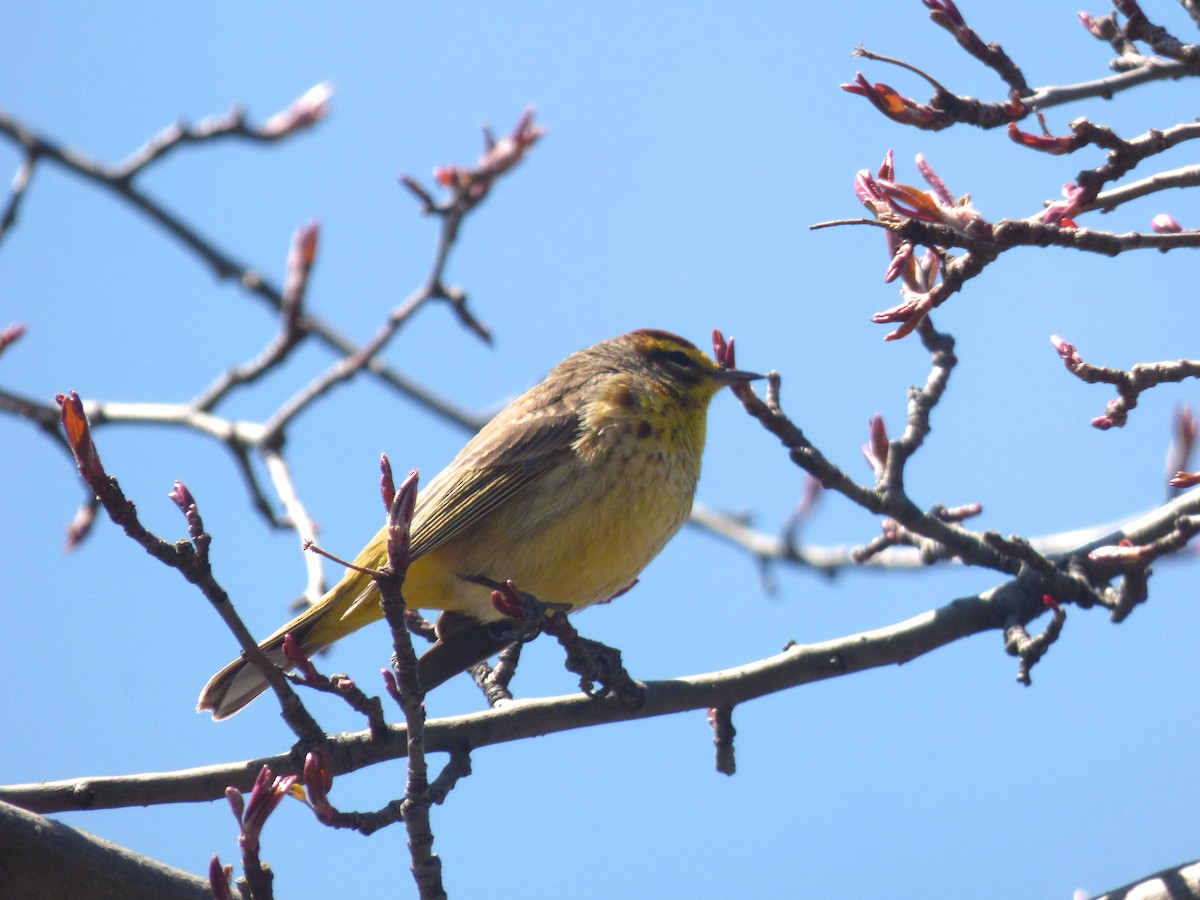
<point>306,111</point>
<point>1129,384</point>
<point>944,108</point>
<point>1180,882</point>
<point>300,261</point>
<point>121,180</point>
<point>20,184</point>
<point>467,188</point>
<point>891,557</point>
<point>43,858</point>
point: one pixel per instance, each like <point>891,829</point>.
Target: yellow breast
<point>587,527</point>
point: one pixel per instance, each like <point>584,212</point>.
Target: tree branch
<point>799,664</point>
<point>43,858</point>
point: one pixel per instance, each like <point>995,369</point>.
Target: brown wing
<point>529,437</point>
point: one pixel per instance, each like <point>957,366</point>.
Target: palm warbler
<point>570,492</point>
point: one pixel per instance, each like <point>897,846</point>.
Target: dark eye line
<point>680,359</point>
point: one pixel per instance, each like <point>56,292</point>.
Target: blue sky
<point>688,151</point>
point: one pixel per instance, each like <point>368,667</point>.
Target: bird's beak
<point>735,376</point>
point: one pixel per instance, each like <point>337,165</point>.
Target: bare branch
<point>222,263</point>
<point>44,858</point>
<point>1129,384</point>
<point>992,610</point>
<point>189,559</point>
<point>20,184</point>
<point>305,112</point>
<point>1183,177</point>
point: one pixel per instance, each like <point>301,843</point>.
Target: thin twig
<point>222,263</point>
<point>895,644</point>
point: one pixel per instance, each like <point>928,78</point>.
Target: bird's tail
<point>316,628</point>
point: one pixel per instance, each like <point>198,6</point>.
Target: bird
<point>569,492</point>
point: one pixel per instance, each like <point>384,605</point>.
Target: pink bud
<point>507,601</point>
<point>267,794</point>
<point>1165,224</point>
<point>866,189</point>
<point>406,496</point>
<point>79,437</point>
<point>220,880</point>
<point>298,659</point>
<point>304,112</point>
<point>887,168</point>
<point>1187,425</point>
<point>10,335</point>
<point>876,450</point>
<point>80,526</point>
<point>900,260</point>
<point>304,245</point>
<point>389,683</point>
<point>387,485</point>
<point>933,179</point>
<point>318,780</point>
<point>1103,28</point>
<point>236,802</point>
<point>1070,357</point>
<point>720,348</point>
<point>182,496</point>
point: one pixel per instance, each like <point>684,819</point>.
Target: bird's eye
<point>681,359</point>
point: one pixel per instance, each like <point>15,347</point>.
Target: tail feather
<point>462,641</point>
<point>231,689</point>
<point>236,685</point>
